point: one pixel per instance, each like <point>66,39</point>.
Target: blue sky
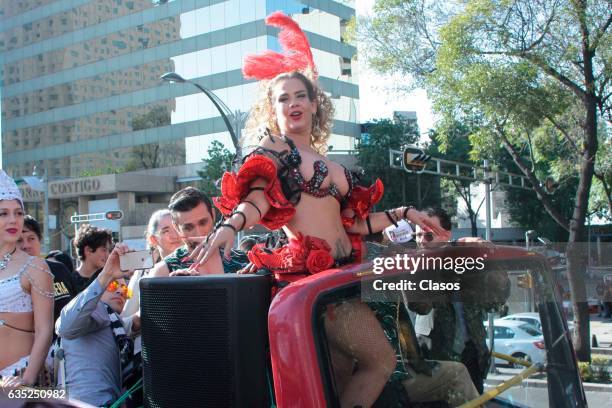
<point>376,96</point>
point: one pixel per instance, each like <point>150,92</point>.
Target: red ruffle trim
<point>301,257</point>
<point>234,187</point>
<point>362,200</point>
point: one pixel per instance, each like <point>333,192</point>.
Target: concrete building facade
<point>81,95</point>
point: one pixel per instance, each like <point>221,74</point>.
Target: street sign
<point>108,215</point>
<point>113,215</point>
<point>415,159</point>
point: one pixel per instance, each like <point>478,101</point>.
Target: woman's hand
<point>250,268</point>
<point>185,272</point>
<point>11,382</point>
<point>222,237</point>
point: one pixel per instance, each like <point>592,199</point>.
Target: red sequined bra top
<point>313,186</point>
<point>285,184</point>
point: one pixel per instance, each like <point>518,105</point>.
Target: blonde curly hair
<point>262,114</point>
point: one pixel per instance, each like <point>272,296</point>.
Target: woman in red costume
<point>287,182</point>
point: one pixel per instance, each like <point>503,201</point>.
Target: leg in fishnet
<point>354,331</point>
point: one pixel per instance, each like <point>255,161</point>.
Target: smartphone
<point>135,260</point>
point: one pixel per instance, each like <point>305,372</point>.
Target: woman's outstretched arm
<point>246,214</point>
<point>376,222</point>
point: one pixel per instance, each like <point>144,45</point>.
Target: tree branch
<point>576,89</point>
<point>607,189</point>
<point>600,32</point>
<point>548,205</point>
<point>530,143</point>
<point>544,32</point>
<point>564,132</point>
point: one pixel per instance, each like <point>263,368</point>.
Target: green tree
<point>219,161</point>
<point>533,75</point>
<point>450,141</point>
<point>401,188</point>
<point>153,155</point>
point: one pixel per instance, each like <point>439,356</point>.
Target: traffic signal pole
<point>414,160</point>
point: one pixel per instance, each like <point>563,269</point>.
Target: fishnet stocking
<point>355,334</point>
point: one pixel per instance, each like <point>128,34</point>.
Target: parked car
<point>533,319</point>
<point>518,339</point>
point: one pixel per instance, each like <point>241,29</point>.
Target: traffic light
<point>113,215</point>
<point>415,159</point>
<point>525,281</point>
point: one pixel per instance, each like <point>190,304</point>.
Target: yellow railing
<point>517,379</point>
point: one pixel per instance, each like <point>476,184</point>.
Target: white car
<point>518,339</point>
<point>533,319</point>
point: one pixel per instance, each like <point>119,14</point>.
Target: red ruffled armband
<point>236,186</point>
<point>362,200</point>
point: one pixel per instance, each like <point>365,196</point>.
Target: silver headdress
<point>8,188</point>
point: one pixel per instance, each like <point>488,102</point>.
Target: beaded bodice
<point>293,181</point>
<point>13,299</point>
<point>321,171</point>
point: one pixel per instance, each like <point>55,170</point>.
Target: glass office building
<point>81,90</point>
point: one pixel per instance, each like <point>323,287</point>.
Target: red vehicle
<point>207,341</point>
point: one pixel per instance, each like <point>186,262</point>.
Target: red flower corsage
<point>302,254</point>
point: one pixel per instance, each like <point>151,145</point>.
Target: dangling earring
<point>315,122</point>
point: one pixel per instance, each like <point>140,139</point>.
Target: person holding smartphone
<point>193,218</point>
<point>97,346</point>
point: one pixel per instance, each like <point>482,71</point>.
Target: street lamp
<point>219,104</point>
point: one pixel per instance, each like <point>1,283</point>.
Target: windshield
<point>436,324</point>
<point>531,330</point>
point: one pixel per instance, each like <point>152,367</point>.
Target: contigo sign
<point>75,187</point>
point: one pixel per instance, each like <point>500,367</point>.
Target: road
<point>538,397</point>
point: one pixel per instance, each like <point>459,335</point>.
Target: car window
<point>531,330</point>
<point>503,332</point>
<point>533,322</point>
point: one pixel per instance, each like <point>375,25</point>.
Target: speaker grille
<point>183,363</point>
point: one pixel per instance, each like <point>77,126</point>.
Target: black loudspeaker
<point>205,341</point>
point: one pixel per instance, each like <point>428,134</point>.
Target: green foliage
<point>218,162</point>
<point>511,71</point>
<point>153,155</point>
<point>349,35</point>
<point>450,141</point>
<point>373,158</point>
<point>101,171</point>
<point>597,371</point>
<point>156,117</point>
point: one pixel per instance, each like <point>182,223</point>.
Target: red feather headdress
<point>297,56</point>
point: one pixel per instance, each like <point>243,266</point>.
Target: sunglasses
<point>427,236</point>
<point>125,291</point>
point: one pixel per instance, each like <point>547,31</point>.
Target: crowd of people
<point>286,183</point>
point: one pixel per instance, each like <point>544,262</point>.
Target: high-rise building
<point>81,94</point>
<point>81,90</point>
